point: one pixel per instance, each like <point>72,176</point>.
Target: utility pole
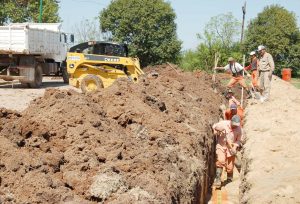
<point>244,14</point>
<point>242,47</point>
<point>41,11</point>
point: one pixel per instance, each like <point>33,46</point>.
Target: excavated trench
<point>204,187</point>
<point>149,142</point>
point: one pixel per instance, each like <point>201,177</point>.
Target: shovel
<point>254,94</point>
<point>217,56</point>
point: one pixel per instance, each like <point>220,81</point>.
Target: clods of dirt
<point>130,143</point>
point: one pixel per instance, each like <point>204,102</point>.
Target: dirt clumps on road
<point>130,143</point>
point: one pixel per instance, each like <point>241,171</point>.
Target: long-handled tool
<point>254,93</point>
<point>242,95</point>
<point>217,57</point>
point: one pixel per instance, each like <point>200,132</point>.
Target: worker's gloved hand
<point>233,152</point>
<point>222,133</point>
<point>235,148</point>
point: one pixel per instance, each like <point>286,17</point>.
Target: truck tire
<point>65,75</point>
<point>25,85</point>
<point>91,83</point>
<point>64,71</point>
<point>38,77</point>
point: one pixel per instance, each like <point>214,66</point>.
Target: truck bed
<point>34,39</point>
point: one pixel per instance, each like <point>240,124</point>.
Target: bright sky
<point>192,15</point>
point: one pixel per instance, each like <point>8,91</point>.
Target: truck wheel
<point>38,77</point>
<point>26,85</point>
<point>91,83</point>
<point>65,75</point>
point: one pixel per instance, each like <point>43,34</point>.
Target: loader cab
<point>101,48</point>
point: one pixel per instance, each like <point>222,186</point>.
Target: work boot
<point>229,178</point>
<point>218,182</point>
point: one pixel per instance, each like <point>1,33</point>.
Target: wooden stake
<point>215,72</point>
<point>172,67</point>
<point>242,97</point>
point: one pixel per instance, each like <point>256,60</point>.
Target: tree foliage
<point>276,28</point>
<point>148,27</point>
<point>220,35</point>
<point>87,30</point>
<point>223,30</point>
<point>19,11</point>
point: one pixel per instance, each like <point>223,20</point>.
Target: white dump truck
<point>30,50</point>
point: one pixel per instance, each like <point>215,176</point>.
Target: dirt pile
<point>131,143</point>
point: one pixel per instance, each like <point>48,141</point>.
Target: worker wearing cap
<point>266,67</point>
<point>231,99</point>
<point>237,74</point>
<point>253,67</point>
<point>232,111</point>
<point>229,135</point>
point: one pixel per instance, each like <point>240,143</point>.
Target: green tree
<point>223,30</point>
<point>148,27</point>
<point>276,28</point>
<point>2,14</point>
<point>19,11</point>
<point>221,34</point>
<point>87,30</point>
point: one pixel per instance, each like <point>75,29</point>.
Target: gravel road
<point>17,97</point>
<point>272,170</point>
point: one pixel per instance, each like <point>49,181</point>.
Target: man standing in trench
<point>237,74</point>
<point>229,135</point>
<point>232,111</point>
<point>266,67</point>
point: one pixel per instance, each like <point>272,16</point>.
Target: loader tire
<point>91,83</point>
<point>38,77</point>
<point>65,75</point>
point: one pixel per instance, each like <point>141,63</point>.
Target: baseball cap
<point>233,107</point>
<point>236,120</point>
<point>261,47</point>
<point>252,53</point>
<point>229,91</point>
<point>230,59</point>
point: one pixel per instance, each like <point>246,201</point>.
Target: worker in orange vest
<point>229,134</point>
<point>234,107</point>
<point>234,110</point>
<point>237,74</point>
<point>253,67</point>
<point>231,99</point>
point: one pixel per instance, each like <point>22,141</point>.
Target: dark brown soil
<point>130,143</point>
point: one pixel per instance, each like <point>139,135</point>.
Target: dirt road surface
<point>272,150</point>
<point>19,97</point>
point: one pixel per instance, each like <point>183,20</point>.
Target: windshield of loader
<point>109,49</point>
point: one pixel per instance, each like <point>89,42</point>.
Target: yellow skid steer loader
<point>94,65</point>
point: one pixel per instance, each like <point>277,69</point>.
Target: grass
<point>296,82</point>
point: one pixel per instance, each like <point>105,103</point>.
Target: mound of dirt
<point>130,143</point>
